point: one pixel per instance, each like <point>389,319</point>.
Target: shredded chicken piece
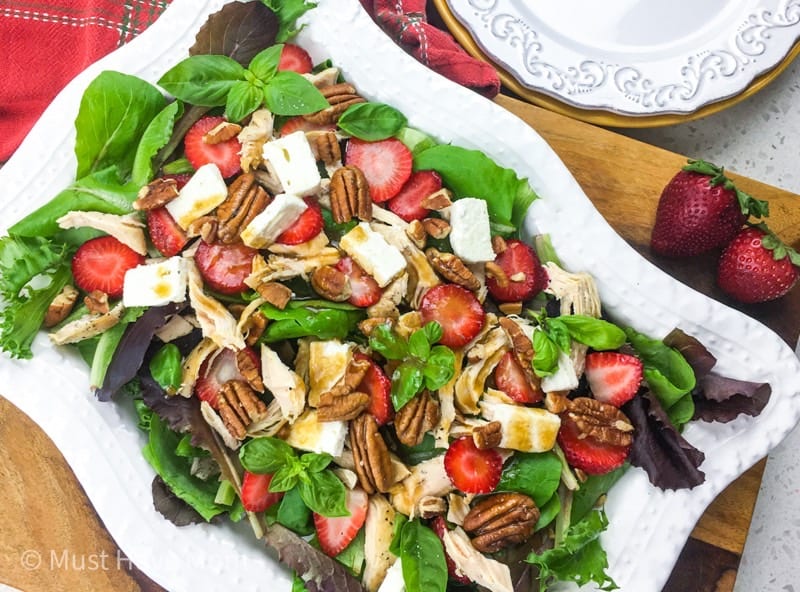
<point>270,424</point>
<point>176,327</point>
<point>428,478</point>
<point>192,363</point>
<point>326,77</point>
<point>479,568</point>
<point>378,534</point>
<point>309,248</point>
<point>217,323</point>
<point>576,291</point>
<point>87,326</point>
<point>253,137</point>
<point>485,354</point>
<point>279,267</point>
<point>126,229</point>
<point>284,384</point>
<point>458,508</point>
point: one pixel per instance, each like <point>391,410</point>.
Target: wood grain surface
<point>45,514</point>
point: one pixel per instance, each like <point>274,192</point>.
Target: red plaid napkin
<point>406,23</point>
<point>45,44</point>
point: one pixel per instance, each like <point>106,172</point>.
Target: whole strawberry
<point>700,209</point>
<point>756,266</point>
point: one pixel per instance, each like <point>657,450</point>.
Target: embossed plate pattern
<point>633,57</point>
<point>102,444</point>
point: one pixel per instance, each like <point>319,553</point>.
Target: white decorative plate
<point>102,444</point>
<point>633,57</point>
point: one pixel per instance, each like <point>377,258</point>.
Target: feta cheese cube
<point>201,194</point>
<point>309,434</point>
<point>155,284</point>
<point>527,429</point>
<point>280,214</point>
<point>294,163</point>
<point>371,251</point>
<point>470,234</point>
<point>393,582</point>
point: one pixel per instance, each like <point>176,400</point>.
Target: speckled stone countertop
<point>758,138</point>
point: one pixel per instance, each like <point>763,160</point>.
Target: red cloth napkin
<point>405,21</point>
<point>45,44</point>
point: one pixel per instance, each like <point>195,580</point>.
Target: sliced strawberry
<point>471,469</point>
<point>167,236</point>
<point>456,309</point>
<point>334,534</point>
<point>379,388</point>
<point>256,496</point>
<point>613,377</point>
<point>306,227</point>
<point>408,203</point>
<point>365,290</point>
<point>295,59</point>
<point>386,165</point>
<point>218,369</point>
<point>223,154</point>
<point>100,264</point>
<point>301,123</point>
<point>586,453</point>
<point>525,273</point>
<point>439,526</point>
<point>225,267</point>
<point>510,377</point>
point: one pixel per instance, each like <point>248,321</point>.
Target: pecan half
<point>488,436</point>
<point>556,402</point>
<point>97,301</point>
<point>254,328</point>
<point>325,146</point>
<point>498,244</point>
<point>453,269</point>
<point>501,520</point>
<point>493,270</point>
<point>205,227</point>
<point>416,232</point>
<point>436,227</point>
<point>368,325</point>
<point>510,308</point>
<point>246,199</point>
<point>415,418</point>
<point>61,306</point>
<point>239,406</point>
<point>250,369</point>
<point>349,195</point>
<point>330,283</point>
<point>438,200</point>
<point>155,194</point>
<point>222,132</point>
<point>275,293</point>
<point>601,421</point>
<point>373,464</point>
<point>343,402</point>
<point>340,97</point>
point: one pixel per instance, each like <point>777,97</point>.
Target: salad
<point>328,326</point>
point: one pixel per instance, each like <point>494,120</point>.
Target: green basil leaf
<point>154,138</point>
<point>423,559</point>
<point>294,514</point>
<point>400,521</point>
<point>388,343</point>
<point>203,80</point>
<point>425,450</point>
<point>666,371</point>
<point>545,357</point>
<point>243,98</point>
<point>114,112</point>
<point>433,330</point>
<point>472,173</point>
<point>535,474</point>
<point>266,455</point>
<point>167,367</point>
<point>324,494</point>
<point>284,478</point>
<point>407,381</point>
<point>596,333</point>
<point>289,93</point>
<point>371,121</point>
<point>315,462</point>
<point>559,333</point>
<point>265,64</point>
<point>418,345</point>
<point>335,322</point>
<point>440,367</point>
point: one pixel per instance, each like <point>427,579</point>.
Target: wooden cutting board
<point>53,541</point>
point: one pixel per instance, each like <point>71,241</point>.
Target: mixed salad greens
<point>394,390</point>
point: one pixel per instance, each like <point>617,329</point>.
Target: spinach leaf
<point>579,558</point>
<point>470,173</point>
<point>100,191</point>
<point>176,470</point>
<point>423,559</point>
<point>155,137</point>
<point>288,11</point>
<point>353,556</point>
<point>166,367</point>
<point>534,474</point>
<point>114,113</point>
<point>591,490</point>
<point>372,121</point>
<point>548,512</point>
<point>106,347</point>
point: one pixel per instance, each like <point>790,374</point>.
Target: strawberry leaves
<point>749,205</point>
